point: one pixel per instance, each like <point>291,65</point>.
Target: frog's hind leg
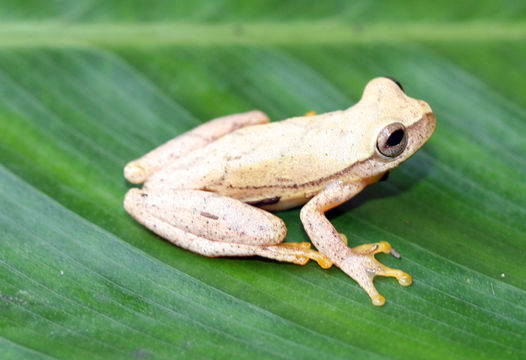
<point>213,225</point>
<point>137,171</point>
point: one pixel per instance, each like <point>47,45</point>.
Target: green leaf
<point>86,86</point>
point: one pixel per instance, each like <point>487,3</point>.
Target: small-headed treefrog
<point>208,190</point>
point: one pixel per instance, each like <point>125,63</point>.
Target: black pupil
<point>395,138</point>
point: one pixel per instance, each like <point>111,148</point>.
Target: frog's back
<point>285,159</point>
<point>270,160</point>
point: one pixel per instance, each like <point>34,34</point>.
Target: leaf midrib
<point>61,34</point>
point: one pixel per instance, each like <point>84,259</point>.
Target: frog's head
<point>399,125</point>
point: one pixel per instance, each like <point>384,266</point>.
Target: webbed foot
<point>362,266</point>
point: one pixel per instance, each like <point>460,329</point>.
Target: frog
<point>213,189</point>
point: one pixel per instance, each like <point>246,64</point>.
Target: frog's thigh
<point>213,225</point>
<point>139,170</point>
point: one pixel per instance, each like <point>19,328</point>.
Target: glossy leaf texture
<point>86,86</point>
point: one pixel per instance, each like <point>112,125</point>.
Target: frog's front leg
<point>138,171</point>
<point>359,263</point>
<point>214,225</point>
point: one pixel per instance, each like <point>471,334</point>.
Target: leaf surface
<point>87,86</point>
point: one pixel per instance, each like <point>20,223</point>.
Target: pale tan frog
<point>205,190</point>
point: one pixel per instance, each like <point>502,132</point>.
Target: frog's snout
<point>428,119</point>
<point>419,132</point>
<point>425,107</point>
<point>432,121</point>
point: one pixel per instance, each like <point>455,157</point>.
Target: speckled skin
<point>198,186</point>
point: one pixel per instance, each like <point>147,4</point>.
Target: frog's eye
<point>396,82</point>
<point>392,140</point>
